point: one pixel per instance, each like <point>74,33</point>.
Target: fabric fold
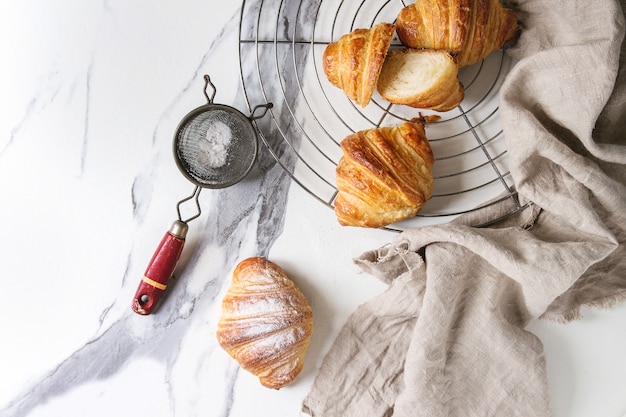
<point>448,336</point>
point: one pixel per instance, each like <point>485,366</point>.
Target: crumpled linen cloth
<point>448,338</point>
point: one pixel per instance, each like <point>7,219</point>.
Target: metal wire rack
<point>281,44</point>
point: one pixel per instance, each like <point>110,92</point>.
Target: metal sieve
<point>215,146</point>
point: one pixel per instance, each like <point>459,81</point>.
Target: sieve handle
<point>160,269</point>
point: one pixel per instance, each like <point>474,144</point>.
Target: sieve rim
<point>231,111</point>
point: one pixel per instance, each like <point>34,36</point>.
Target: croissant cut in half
<point>421,78</point>
<point>384,176</point>
<point>353,63</point>
<point>469,29</point>
<point>266,322</point>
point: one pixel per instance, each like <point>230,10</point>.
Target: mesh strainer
<point>215,146</point>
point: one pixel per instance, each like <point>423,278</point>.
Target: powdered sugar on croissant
<point>266,322</point>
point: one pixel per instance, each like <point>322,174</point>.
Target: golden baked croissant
<point>469,29</point>
<point>384,175</point>
<point>355,60</point>
<point>422,78</point>
<point>266,322</point>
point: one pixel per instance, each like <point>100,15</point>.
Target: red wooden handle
<point>160,269</point>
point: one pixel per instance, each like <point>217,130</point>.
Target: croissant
<point>353,63</point>
<point>469,29</point>
<point>427,79</point>
<point>266,322</point>
<point>384,175</point>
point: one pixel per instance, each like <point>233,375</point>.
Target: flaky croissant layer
<point>469,29</point>
<point>384,176</point>
<point>421,78</point>
<point>353,63</point>
<point>266,322</point>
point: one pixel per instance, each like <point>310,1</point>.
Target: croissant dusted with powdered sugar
<point>355,60</point>
<point>266,322</point>
<point>384,175</point>
<point>469,29</point>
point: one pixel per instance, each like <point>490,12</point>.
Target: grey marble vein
<point>252,210</point>
<point>83,153</point>
<point>32,104</point>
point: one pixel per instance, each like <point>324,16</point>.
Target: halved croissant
<point>355,60</point>
<point>469,29</point>
<point>384,175</point>
<point>421,78</point>
<point>266,322</point>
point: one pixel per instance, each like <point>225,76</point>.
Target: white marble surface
<point>91,95</point>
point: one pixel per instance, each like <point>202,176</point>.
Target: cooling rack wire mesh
<point>281,44</point>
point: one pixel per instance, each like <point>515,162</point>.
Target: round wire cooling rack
<point>281,44</point>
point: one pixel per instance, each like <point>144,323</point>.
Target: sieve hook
<point>266,106</point>
<point>207,84</point>
<point>195,195</point>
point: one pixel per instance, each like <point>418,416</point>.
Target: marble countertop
<point>92,94</point>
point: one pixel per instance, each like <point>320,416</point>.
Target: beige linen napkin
<point>447,337</point>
